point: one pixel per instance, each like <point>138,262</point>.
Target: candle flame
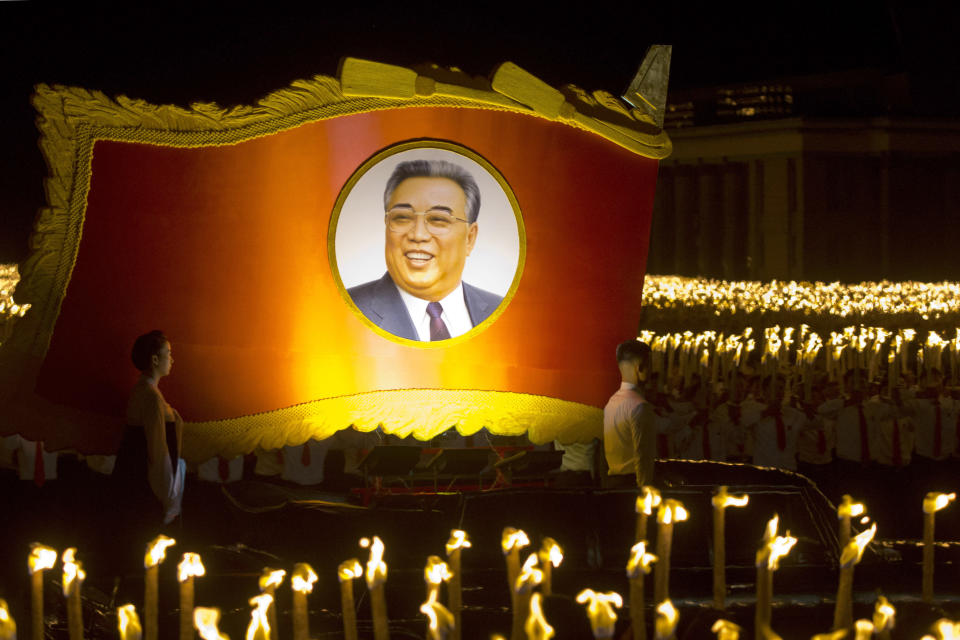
<point>666,623</point>
<point>513,538</point>
<point>271,578</point>
<point>600,611</point>
<point>259,627</point>
<point>41,558</point>
<point>349,569</point>
<point>72,570</point>
<point>440,618</point>
<point>206,619</point>
<point>639,560</point>
<point>671,511</point>
<point>934,501</point>
<point>303,577</point>
<point>722,499</point>
<point>190,567</point>
<point>530,575</point>
<point>779,547</point>
<point>436,571</point>
<point>864,629</point>
<point>376,567</point>
<point>726,630</point>
<point>458,540</point>
<point>129,623</point>
<point>849,509</point>
<point>536,625</point>
<point>853,552</point>
<point>771,531</point>
<point>946,629</point>
<point>551,552</point>
<point>647,500</point>
<point>8,628</point>
<point>157,551</point>
<point>883,614</point>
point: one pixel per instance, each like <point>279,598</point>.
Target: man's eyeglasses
<point>438,223</point>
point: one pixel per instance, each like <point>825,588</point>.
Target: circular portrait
<point>427,242</point>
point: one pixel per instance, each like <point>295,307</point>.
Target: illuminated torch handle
<point>150,597</point>
<point>927,592</point>
<point>74,612</point>
<point>301,628</point>
<point>638,619</point>
<point>186,609</point>
<point>455,593</point>
<point>349,612</point>
<point>36,594</point>
<point>378,605</point>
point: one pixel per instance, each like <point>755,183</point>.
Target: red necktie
<point>223,468</point>
<point>864,437</point>
<point>897,456</point>
<point>937,429</point>
<point>38,475</point>
<point>781,432</point>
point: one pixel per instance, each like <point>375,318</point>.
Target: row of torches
<point>529,583</point>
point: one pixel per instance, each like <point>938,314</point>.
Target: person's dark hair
<point>436,169</point>
<point>633,351</point>
<point>145,347</point>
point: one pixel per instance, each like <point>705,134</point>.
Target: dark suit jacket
<point>380,301</point>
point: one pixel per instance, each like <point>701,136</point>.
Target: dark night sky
<point>230,54</point>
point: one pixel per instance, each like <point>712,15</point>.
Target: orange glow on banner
<point>225,248</point>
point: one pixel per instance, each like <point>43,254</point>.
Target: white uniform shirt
<point>766,448</point>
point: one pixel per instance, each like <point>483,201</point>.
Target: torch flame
<point>303,577</point>
<point>853,552</point>
<point>722,499</point>
<point>129,622</point>
<point>349,569</point>
<point>530,576</point>
<point>946,629</point>
<point>934,501</point>
<point>883,614</point>
<point>376,567</point>
<point>551,552</point>
<point>41,558</point>
<point>536,625</point>
<point>438,615</point>
<point>779,547</point>
<point>8,628</point>
<point>190,567</point>
<point>864,629</point>
<point>771,531</point>
<point>600,611</point>
<point>458,540</point>
<point>726,630</point>
<point>206,619</point>
<point>639,560</point>
<point>513,538</point>
<point>436,571</point>
<point>157,551</point>
<point>259,627</point>
<point>72,570</point>
<point>671,511</point>
<point>647,500</point>
<point>666,623</point>
<point>271,578</point>
<point>849,509</point>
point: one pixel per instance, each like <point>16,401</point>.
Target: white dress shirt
<point>455,314</point>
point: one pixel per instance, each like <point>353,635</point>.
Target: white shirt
<point>627,423</point>
<point>766,450</point>
<point>455,314</point>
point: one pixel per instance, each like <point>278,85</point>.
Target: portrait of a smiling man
<point>431,213</point>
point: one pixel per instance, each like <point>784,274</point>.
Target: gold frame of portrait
<point>377,158</point>
<point>71,120</point>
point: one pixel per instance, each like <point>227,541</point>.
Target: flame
<point>376,567</point>
<point>41,558</point>
<point>349,569</point>
<point>536,625</point>
<point>206,619</point>
<point>722,499</point>
<point>458,540</point>
<point>259,627</point>
<point>271,578</point>
<point>303,577</point>
<point>128,622</point>
<point>771,531</point>
<point>530,576</point>
<point>934,501</point>
<point>72,570</point>
<point>8,628</point>
<point>436,571</point>
<point>850,509</point>
<point>671,511</point>
<point>439,616</point>
<point>513,538</point>
<point>726,630</point>
<point>666,622</point>
<point>647,500</point>
<point>190,567</point>
<point>600,611</point>
<point>884,614</point>
<point>639,560</point>
<point>864,629</point>
<point>853,552</point>
<point>946,629</point>
<point>551,552</point>
<point>157,551</point>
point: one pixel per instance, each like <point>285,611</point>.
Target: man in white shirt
<point>629,438</point>
<point>431,227</point>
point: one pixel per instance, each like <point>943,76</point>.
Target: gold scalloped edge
<point>421,413</point>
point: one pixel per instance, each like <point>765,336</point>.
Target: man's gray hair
<point>436,169</point>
